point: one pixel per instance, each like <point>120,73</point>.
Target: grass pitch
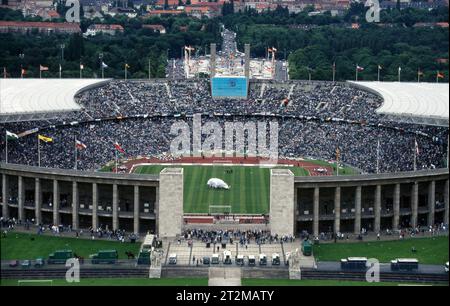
<point>429,250</point>
<point>249,193</point>
<point>21,246</point>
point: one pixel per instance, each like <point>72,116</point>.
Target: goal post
<point>219,209</point>
<point>34,282</point>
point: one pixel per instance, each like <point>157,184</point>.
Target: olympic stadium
<point>351,158</point>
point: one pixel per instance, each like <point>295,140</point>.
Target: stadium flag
<point>358,69</point>
<point>338,156</point>
<point>23,72</point>
<point>42,68</point>
<point>81,70</point>
<point>439,75</point>
<point>379,70</point>
<point>45,138</point>
<point>104,65</point>
<point>419,74</point>
<point>11,136</point>
<point>119,148</point>
<point>79,145</point>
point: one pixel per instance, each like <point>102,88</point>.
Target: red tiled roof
<point>53,13</point>
<point>33,24</point>
<point>153,26</point>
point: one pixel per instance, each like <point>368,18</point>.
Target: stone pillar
<point>446,202</point>
<point>94,206</point>
<point>75,206</point>
<point>414,204</point>
<point>37,201</point>
<point>295,208</point>
<point>316,212</point>
<point>337,210</point>
<point>282,217</point>
<point>136,210</point>
<point>358,210</point>
<point>431,202</point>
<point>5,196</point>
<point>56,202</point>
<point>21,199</point>
<point>377,209</point>
<point>170,206</point>
<point>396,219</point>
<point>115,208</point>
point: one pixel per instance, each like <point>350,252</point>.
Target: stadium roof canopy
<point>422,103</point>
<point>36,99</point>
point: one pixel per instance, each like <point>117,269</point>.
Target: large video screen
<point>229,87</point>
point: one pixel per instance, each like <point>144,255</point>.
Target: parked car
<point>25,264</point>
<point>13,263</point>
<point>39,262</point>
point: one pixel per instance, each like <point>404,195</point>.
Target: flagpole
<point>125,72</point>
<point>378,157</point>
<point>6,157</point>
<point>116,161</point>
<point>378,73</point>
<point>418,76</point>
<point>76,154</point>
<point>356,73</point>
<point>415,154</point>
<point>40,73</point>
<point>39,152</point>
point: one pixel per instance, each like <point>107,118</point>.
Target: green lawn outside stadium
<point>429,250</point>
<point>249,193</point>
<point>180,282</point>
<point>21,246</point>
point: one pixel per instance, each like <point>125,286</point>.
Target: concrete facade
<point>170,206</point>
<point>282,213</point>
<point>418,198</point>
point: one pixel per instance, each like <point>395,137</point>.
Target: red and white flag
<point>119,148</point>
<point>79,145</point>
<point>43,68</point>
<point>359,68</point>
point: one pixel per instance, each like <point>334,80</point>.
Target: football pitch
<point>249,192</point>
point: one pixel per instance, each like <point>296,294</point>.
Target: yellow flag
<point>45,139</point>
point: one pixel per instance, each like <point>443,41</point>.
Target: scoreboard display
<point>229,87</point>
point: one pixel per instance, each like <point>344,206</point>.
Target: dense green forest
<point>311,44</point>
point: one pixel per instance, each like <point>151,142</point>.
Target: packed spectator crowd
<point>314,119</point>
<point>244,237</point>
